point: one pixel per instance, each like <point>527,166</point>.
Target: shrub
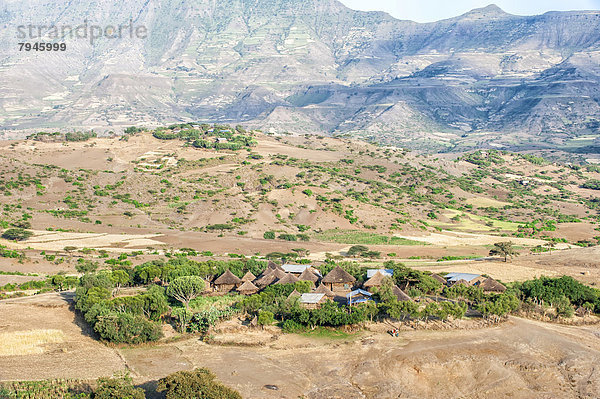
<point>199,383</point>
<point>265,318</point>
<point>17,234</point>
<point>269,235</point>
<point>119,386</point>
<point>127,328</point>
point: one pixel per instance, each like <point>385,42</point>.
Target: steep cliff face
<point>308,66</point>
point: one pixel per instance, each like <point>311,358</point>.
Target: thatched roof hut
<point>247,288</point>
<point>400,295</point>
<point>227,281</point>
<point>462,282</point>
<point>270,278</point>
<point>339,280</point>
<point>491,285</point>
<point>294,294</point>
<point>375,281</point>
<point>248,276</point>
<point>273,266</point>
<point>322,289</point>
<point>289,278</point>
<point>439,278</point>
<point>308,275</point>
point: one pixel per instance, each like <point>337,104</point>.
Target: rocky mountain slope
<point>486,77</point>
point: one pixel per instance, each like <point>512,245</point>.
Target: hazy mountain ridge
<point>311,66</point>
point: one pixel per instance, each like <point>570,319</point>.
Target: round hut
<point>247,288</point>
<point>339,280</point>
<point>227,282</point>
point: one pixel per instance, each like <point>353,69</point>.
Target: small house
<point>400,295</point>
<point>294,294</point>
<point>375,281</point>
<point>489,285</point>
<point>269,278</point>
<point>339,280</point>
<point>247,288</point>
<point>308,275</point>
<point>358,296</point>
<point>248,277</point>
<point>227,282</point>
<point>312,300</point>
<point>321,289</point>
<point>289,278</point>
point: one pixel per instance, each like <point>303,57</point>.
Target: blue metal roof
<point>358,291</point>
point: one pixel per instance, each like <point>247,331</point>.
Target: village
<point>338,285</point>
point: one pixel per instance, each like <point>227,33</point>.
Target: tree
<point>17,234</point>
<point>69,250</point>
<point>199,383</point>
<point>356,250</point>
<point>182,317</point>
<point>119,386</point>
<point>58,281</point>
<point>505,249</point>
<point>119,279</point>
<point>186,288</point>
<point>86,266</point>
<point>265,318</point>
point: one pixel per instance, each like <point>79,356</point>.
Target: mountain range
<point>482,79</point>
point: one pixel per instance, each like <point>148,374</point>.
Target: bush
<point>127,328</point>
<point>265,318</point>
<point>119,386</point>
<point>287,237</point>
<point>17,234</point>
<point>290,326</point>
<point>199,383</point>
<point>269,235</point>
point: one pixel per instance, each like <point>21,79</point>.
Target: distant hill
<point>311,66</point>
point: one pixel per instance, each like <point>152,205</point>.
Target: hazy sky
<point>434,10</point>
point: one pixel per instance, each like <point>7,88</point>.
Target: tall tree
<point>505,249</point>
<point>186,288</point>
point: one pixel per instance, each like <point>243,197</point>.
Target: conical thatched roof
<point>307,275</point>
<point>289,278</point>
<point>294,294</point>
<point>273,265</point>
<point>375,281</point>
<point>491,285</point>
<point>270,278</point>
<point>321,289</point>
<point>401,295</point>
<point>249,277</point>
<point>338,275</point>
<point>439,278</point>
<point>227,278</point>
<point>247,287</point>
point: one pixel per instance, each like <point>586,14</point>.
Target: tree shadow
<point>149,388</point>
<point>78,320</point>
